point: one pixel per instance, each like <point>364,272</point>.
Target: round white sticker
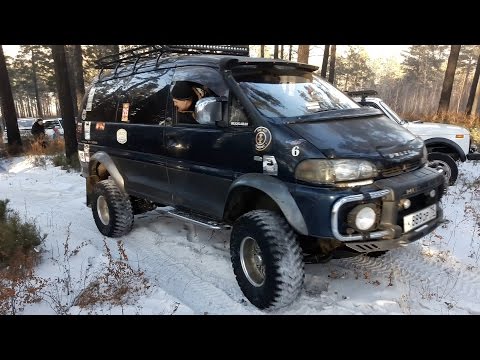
<point>263,138</point>
<point>122,136</point>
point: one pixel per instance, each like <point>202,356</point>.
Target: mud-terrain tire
<point>267,259</point>
<point>112,210</point>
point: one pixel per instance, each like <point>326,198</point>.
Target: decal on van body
<point>126,107</point>
<point>239,123</point>
<point>296,150</point>
<point>87,130</point>
<point>86,150</point>
<point>122,136</point>
<point>91,94</point>
<point>263,138</point>
<point>270,166</point>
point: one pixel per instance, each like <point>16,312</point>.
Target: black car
<point>298,170</point>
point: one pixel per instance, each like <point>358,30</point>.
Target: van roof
<point>215,61</point>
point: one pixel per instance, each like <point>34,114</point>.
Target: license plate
<point>418,218</point>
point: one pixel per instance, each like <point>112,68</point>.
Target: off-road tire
<point>282,257</point>
<point>445,161</point>
<point>120,212</point>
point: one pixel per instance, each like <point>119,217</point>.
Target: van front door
<point>203,160</point>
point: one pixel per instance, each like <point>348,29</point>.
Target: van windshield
<point>282,91</point>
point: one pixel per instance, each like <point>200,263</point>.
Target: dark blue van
<point>296,169</point>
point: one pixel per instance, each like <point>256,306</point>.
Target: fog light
<point>405,203</point>
<point>363,217</point>
<point>433,193</point>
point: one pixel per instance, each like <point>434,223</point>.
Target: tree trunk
<point>66,101</point>
<point>473,88</point>
<point>290,52</point>
<point>326,51</point>
<point>35,84</point>
<point>71,76</point>
<point>21,111</point>
<point>281,52</point>
<point>8,108</point>
<point>444,103</point>
<point>275,51</point>
<point>29,107</point>
<point>331,72</point>
<point>303,53</point>
<point>464,86</point>
<point>262,51</point>
<point>476,100</point>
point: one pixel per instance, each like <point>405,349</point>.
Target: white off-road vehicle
<point>446,144</point>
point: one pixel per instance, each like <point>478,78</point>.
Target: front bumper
<point>387,194</point>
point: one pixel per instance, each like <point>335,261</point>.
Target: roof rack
<point>132,56</point>
<point>362,93</point>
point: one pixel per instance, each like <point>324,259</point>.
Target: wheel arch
<point>249,192</point>
<point>101,167</point>
<point>440,144</point>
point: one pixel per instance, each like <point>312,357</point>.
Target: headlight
<point>322,171</point>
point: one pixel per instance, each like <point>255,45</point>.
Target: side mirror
<point>208,111</point>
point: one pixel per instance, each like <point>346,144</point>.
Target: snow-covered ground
<point>189,269</point>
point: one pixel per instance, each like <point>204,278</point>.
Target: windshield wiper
<point>323,110</point>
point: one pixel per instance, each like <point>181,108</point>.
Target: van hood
<point>434,129</point>
<point>359,133</point>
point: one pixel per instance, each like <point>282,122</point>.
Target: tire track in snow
<point>195,283</point>
<point>427,273</point>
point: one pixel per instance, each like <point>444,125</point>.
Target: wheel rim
<point>439,164</point>
<point>252,261</point>
<point>102,210</point>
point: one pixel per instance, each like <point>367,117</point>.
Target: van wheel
<point>266,259</point>
<point>438,160</point>
<point>112,210</point>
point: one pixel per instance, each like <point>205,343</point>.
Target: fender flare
<point>105,159</point>
<point>279,193</point>
<point>448,142</point>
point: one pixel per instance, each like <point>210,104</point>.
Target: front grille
<point>400,169</point>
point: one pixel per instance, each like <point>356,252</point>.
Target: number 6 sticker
<point>296,151</point>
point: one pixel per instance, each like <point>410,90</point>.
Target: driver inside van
<point>185,96</point>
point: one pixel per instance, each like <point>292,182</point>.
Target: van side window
<point>205,82</point>
<point>237,114</point>
<point>105,101</point>
<point>146,98</point>
<point>198,91</point>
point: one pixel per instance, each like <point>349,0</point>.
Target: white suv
<point>445,143</point>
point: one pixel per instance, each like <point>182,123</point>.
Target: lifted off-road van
<point>299,171</point>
